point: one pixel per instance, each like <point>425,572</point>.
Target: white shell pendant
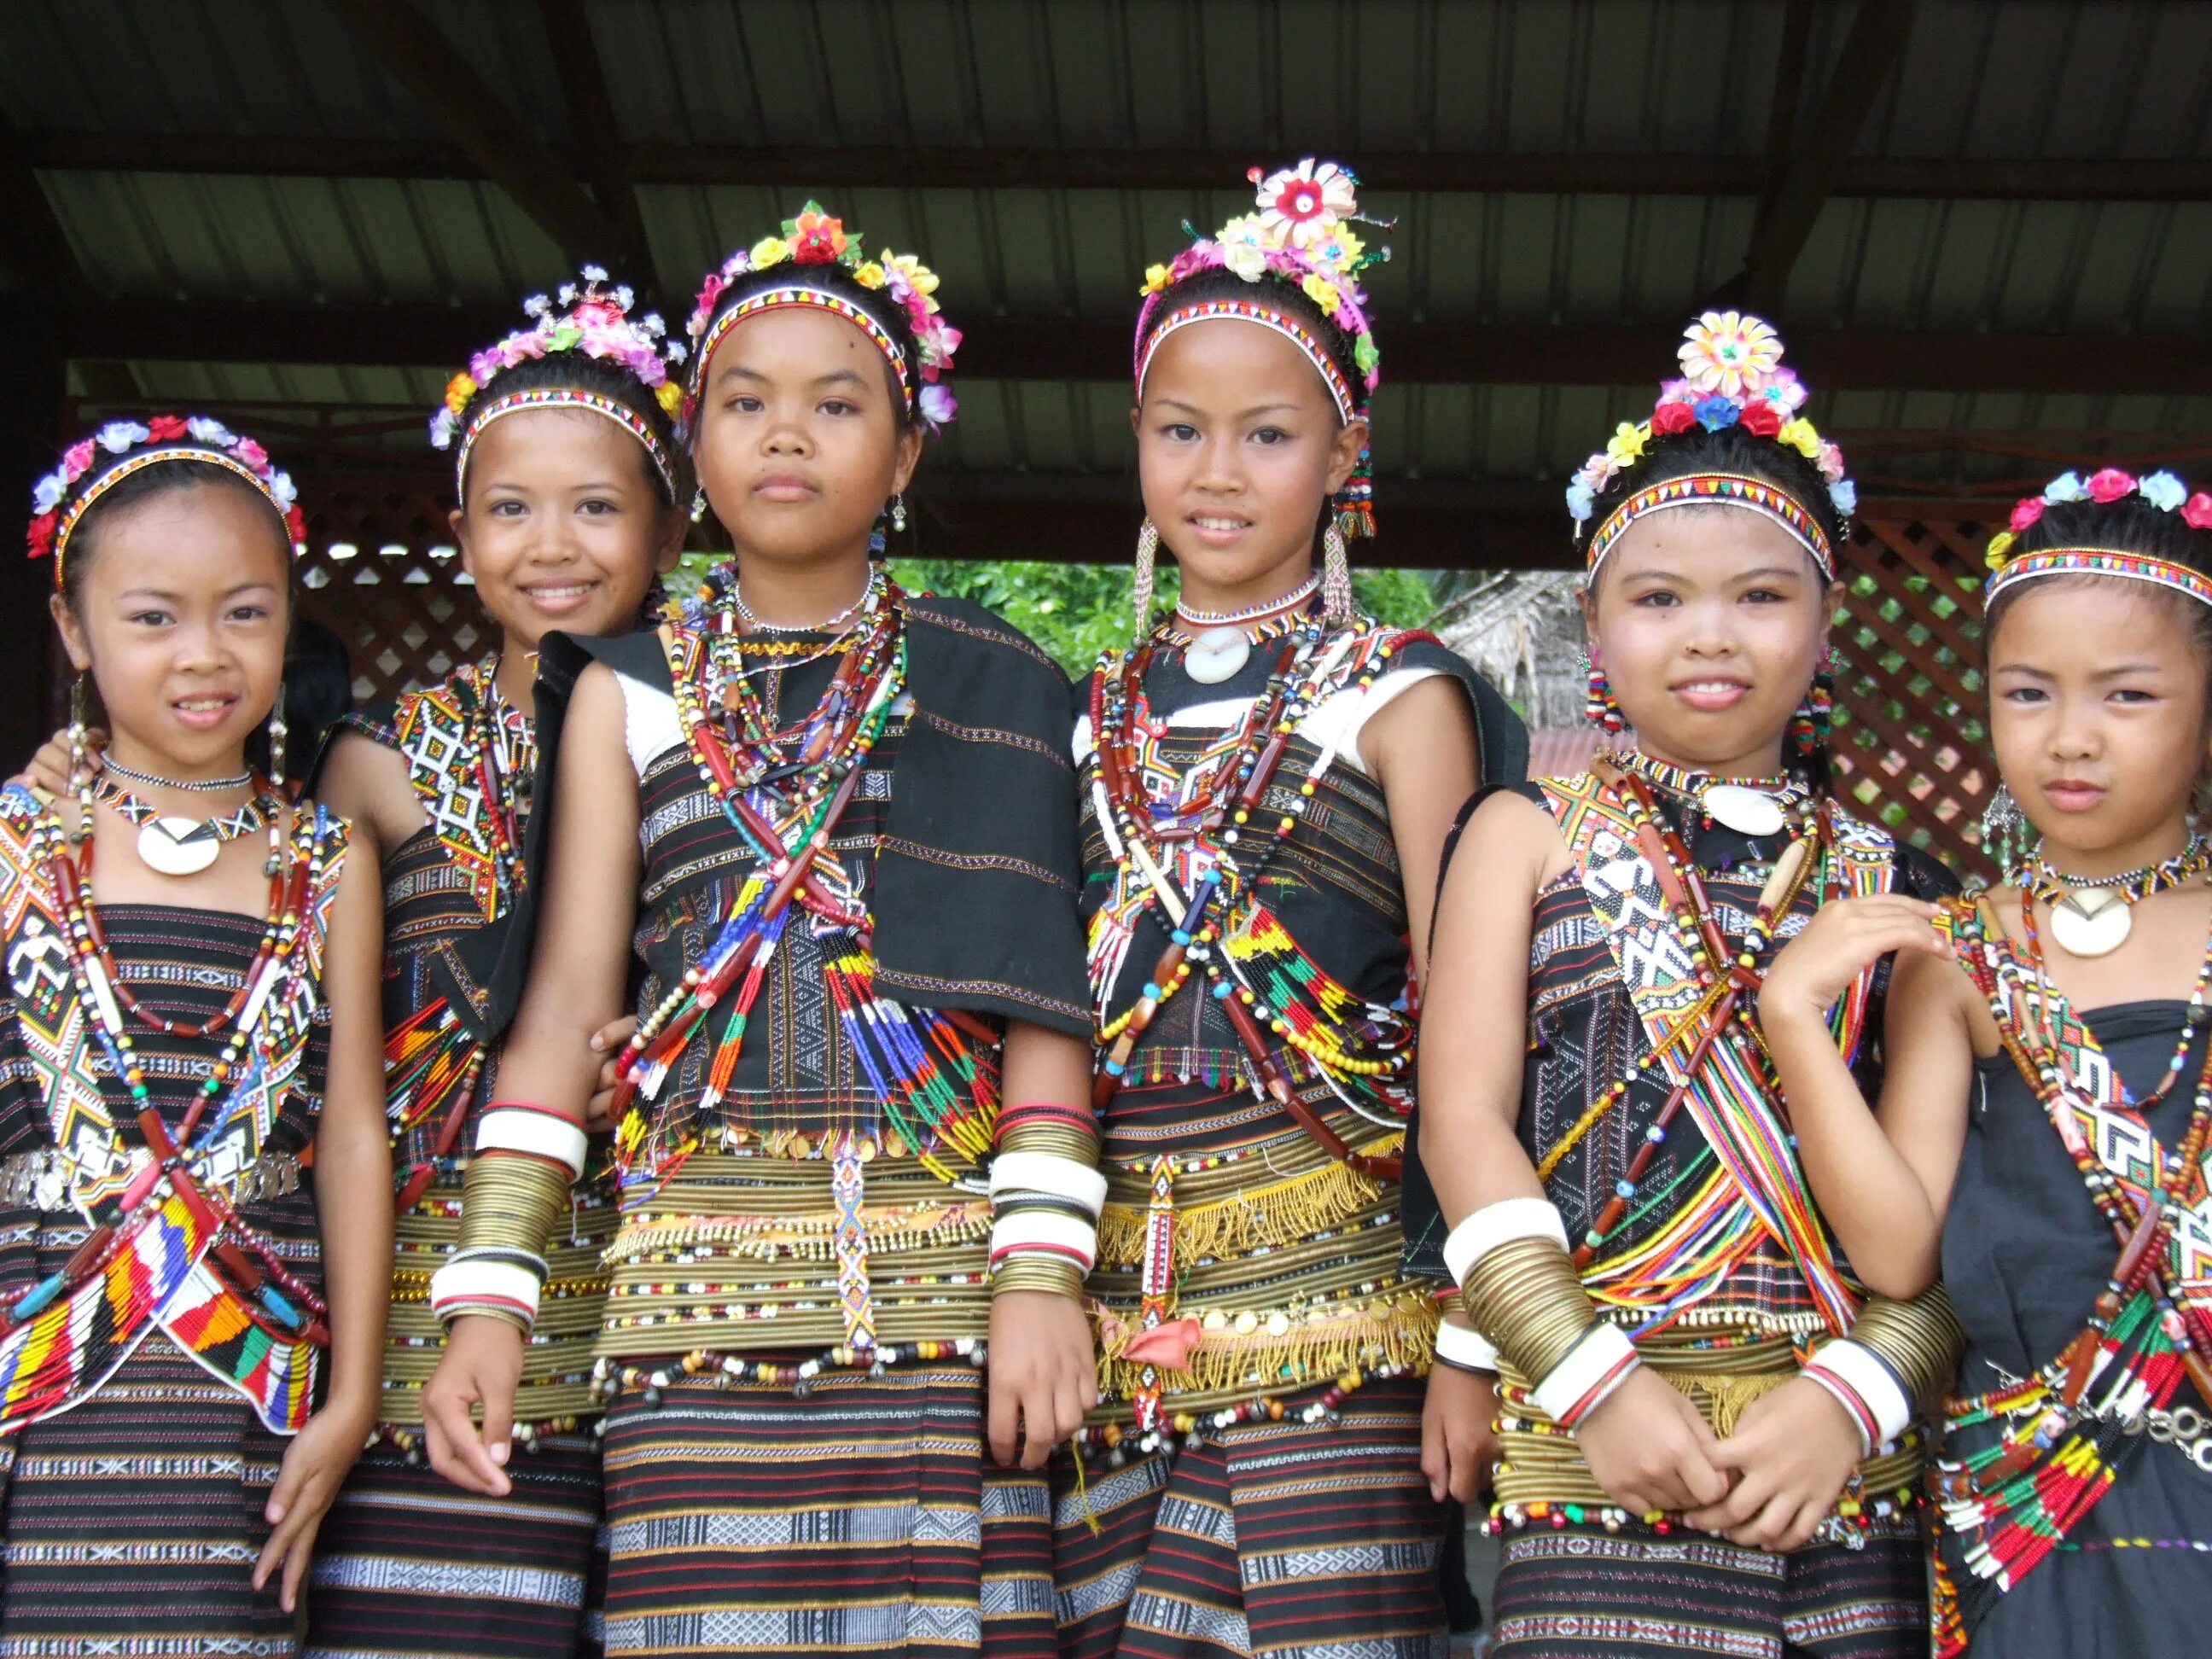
<point>2091,921</point>
<point>1748,811</point>
<point>1216,654</point>
<point>178,846</point>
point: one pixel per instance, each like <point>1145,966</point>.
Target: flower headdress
<point>1732,375</point>
<point>2161,489</point>
<point>817,238</point>
<point>1301,239</point>
<point>92,466</point>
<point>593,321</point>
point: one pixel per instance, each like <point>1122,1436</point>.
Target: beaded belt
<point>41,1179</point>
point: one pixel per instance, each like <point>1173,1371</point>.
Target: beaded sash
<point>59,1353</point>
<point>1762,1194</point>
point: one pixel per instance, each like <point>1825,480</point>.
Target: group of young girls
<point>876,1151</point>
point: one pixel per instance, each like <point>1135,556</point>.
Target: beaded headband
<point>1716,489</point>
<point>158,439</point>
<point>593,321</point>
<point>2100,561</point>
<point>1732,375</point>
<point>817,238</point>
<point>1299,239</point>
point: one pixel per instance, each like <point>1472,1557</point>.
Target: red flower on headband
<point>2111,484</point>
<point>166,428</point>
<point>2197,511</point>
<point>42,535</point>
<point>1761,418</point>
<point>1671,417</point>
<point>295,524</point>
<point>2025,512</point>
<point>817,238</point>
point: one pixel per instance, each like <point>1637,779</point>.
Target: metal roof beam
<point>36,261</point>
<point>1869,55</point>
<point>414,52</point>
<point>803,166</point>
<point>1050,348</point>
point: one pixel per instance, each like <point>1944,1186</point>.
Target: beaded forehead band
<point>1300,239</point>
<point>1716,489</point>
<point>817,238</point>
<point>2100,561</point>
<point>158,440</point>
<point>1732,376</point>
<point>590,320</point>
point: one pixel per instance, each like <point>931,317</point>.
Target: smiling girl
<point>195,1250</point>
<point>1269,777</point>
<point>566,480</point>
<point>833,825</point>
<point>1704,1420</point>
<point>2043,1132</point>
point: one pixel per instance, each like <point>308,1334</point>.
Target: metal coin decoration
<point>1748,811</point>
<point>178,846</point>
<point>2091,921</point>
<point>1216,654</point>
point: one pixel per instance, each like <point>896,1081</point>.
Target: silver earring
<point>1148,547</point>
<point>699,504</point>
<point>80,766</point>
<point>1336,601</point>
<point>898,513</point>
<point>277,739</point>
<point>2004,829</point>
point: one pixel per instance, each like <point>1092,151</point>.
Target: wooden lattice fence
<point>1911,738</point>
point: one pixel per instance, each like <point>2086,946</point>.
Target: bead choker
<point>1751,806</point>
<point>2092,917</point>
<point>1305,591</point>
<point>869,595</point>
<point>192,786</point>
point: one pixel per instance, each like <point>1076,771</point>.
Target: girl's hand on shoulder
<point>1459,1433</point>
<point>48,774</point>
<point>1791,1452</point>
<point>315,1465</point>
<point>1818,966</point>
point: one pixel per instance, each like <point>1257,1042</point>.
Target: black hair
<point>144,485</point>
<point>317,694</point>
<point>1729,449</point>
<point>833,277</point>
<point>1220,283</point>
<point>2129,524</point>
<point>578,371</point>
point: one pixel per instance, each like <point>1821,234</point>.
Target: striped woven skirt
<point>1579,1592</point>
<point>867,1517</point>
<point>407,1563</point>
<point>1279,1537</point>
<point>132,1523</point>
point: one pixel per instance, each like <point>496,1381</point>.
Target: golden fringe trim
<point>766,1238</point>
<point>1286,1212</point>
<point>1398,1330</point>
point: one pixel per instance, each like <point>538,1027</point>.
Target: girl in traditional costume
<point>567,479</point>
<point>1268,777</point>
<point>196,1249</point>
<point>2043,1132</point>
<point>1704,1420</point>
<point>834,824</point>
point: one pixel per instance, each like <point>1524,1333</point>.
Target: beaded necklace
<point>2094,918</point>
<point>2057,1448</point>
<point>1264,984</point>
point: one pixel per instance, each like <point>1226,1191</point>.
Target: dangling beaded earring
<point>80,771</point>
<point>276,739</point>
<point>2004,830</point>
<point>898,513</point>
<point>1336,601</point>
<point>1600,708</point>
<point>699,504</point>
<point>1148,547</point>
<point>1813,723</point>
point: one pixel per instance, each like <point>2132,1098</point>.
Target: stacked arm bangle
<point>1460,1344</point>
<point>1521,1292</point>
<point>526,1159</point>
<point>1046,1194</point>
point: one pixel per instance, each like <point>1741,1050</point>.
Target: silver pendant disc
<point>2091,921</point>
<point>1216,654</point>
<point>177,847</point>
<point>1748,811</point>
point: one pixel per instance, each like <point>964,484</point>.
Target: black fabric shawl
<point>975,883</point>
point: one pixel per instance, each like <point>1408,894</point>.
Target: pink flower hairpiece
<point>2105,486</point>
<point>1732,375</point>
<point>591,318</point>
<point>57,502</point>
<point>815,237</point>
